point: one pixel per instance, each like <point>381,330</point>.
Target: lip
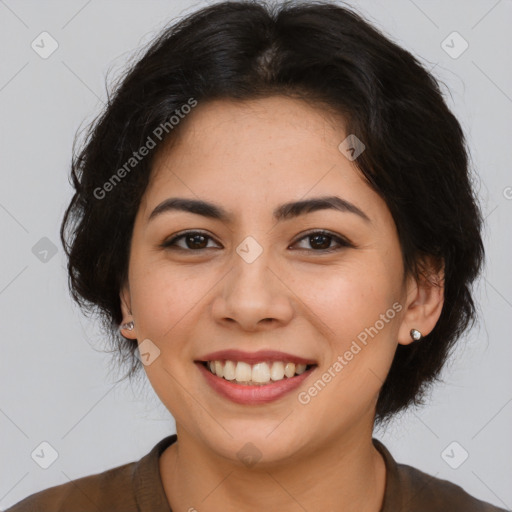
<point>253,395</point>
<point>254,357</point>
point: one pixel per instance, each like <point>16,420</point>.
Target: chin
<point>258,447</point>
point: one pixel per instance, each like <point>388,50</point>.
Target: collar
<point>150,494</point>
<point>147,482</point>
<point>392,501</point>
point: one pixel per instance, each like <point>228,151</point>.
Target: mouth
<point>254,378</point>
<point>259,374</point>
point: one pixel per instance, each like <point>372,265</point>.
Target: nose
<point>253,296</point>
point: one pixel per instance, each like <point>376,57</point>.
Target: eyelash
<point>343,242</point>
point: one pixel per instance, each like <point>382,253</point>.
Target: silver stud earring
<point>416,335</point>
<point>128,326</point>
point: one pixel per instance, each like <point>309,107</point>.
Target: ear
<point>124,296</point>
<point>424,301</point>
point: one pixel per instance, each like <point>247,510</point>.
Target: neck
<point>346,473</point>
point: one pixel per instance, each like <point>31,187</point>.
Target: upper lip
<point>254,357</point>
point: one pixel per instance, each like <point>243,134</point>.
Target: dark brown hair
<point>415,158</point>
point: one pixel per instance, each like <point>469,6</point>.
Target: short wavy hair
<point>416,156</point>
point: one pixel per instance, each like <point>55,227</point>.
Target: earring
<point>416,335</point>
<point>128,326</point>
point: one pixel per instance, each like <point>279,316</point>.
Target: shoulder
<point>110,490</point>
<point>131,487</point>
<point>426,493</point>
<point>412,490</point>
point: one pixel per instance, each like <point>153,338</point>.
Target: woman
<point>275,219</point>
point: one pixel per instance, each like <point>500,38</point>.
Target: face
<point>324,284</point>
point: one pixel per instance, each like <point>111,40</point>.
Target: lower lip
<point>259,394</point>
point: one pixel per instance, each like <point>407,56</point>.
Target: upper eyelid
<point>341,239</point>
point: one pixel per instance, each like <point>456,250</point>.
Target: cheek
<point>347,300</point>
<point>162,296</point>
<point>358,321</point>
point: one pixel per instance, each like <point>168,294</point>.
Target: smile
<point>240,372</point>
<point>248,392</point>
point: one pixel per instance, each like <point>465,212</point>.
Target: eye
<point>193,240</point>
<point>320,241</point>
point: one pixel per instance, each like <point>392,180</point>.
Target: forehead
<point>253,135</point>
<point>257,152</point>
<point>275,122</point>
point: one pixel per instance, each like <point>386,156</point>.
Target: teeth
<point>218,369</point>
<point>300,368</point>
<point>229,370</point>
<point>242,372</point>
<point>289,369</point>
<point>277,371</point>
<point>259,373</point>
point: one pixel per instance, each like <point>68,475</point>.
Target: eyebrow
<point>283,212</point>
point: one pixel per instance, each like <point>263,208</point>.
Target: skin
<point>250,157</point>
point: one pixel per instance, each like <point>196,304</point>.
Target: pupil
<point>314,240</point>
<point>192,240</point>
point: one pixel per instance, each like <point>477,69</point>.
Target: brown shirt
<point>137,486</point>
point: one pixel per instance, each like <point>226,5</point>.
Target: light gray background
<point>55,381</point>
